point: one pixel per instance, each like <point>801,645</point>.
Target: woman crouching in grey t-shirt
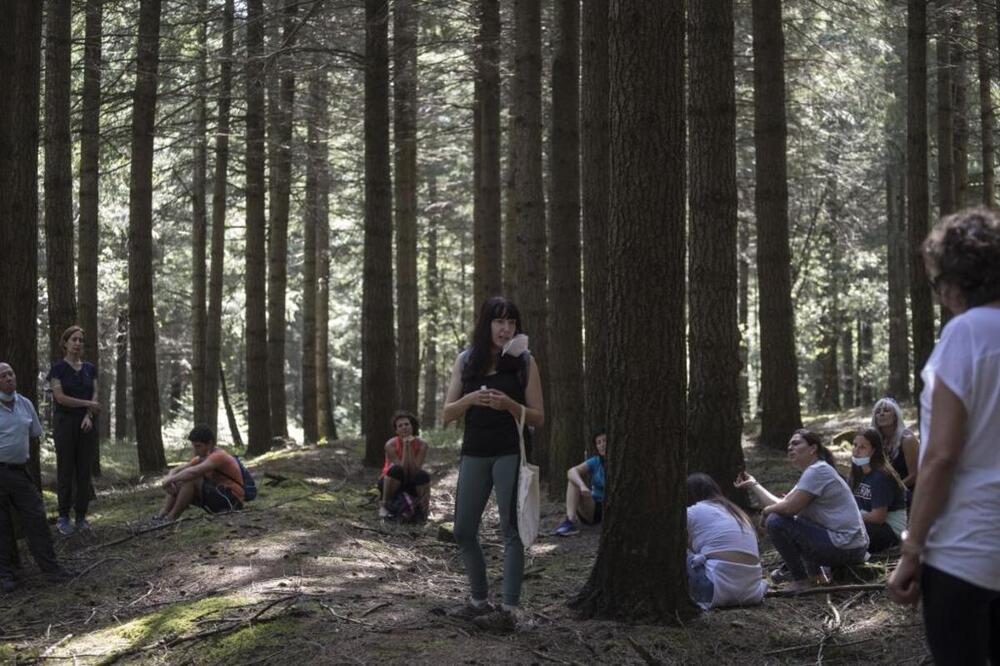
<point>816,524</point>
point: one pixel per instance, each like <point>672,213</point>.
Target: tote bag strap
<point>520,434</point>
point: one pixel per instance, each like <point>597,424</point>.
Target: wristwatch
<point>907,547</point>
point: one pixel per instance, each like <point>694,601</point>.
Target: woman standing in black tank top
<point>489,388</point>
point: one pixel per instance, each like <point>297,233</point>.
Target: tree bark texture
<point>20,66</point>
<point>848,370</point>
<point>511,227</point>
<point>985,101</point>
<point>310,426</point>
<point>428,416</point>
<point>405,134</point>
<point>258,403</point>
<point>743,307</point>
<point>960,142</point>
<point>59,274</point>
<point>866,392</point>
<point>639,572</point>
<point>213,324</point>
<point>142,319</point>
<point>378,373</point>
<point>487,244</point>
<point>324,404</point>
<point>532,242</point>
<point>922,312</point>
<point>594,179</point>
<point>945,113</point>
<point>281,170</point>
<point>90,155</point>
<point>234,426</point>
<point>121,375</point>
<point>715,422</point>
<point>779,395</point>
<point>199,221</point>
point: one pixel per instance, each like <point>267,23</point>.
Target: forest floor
<point>307,574</point>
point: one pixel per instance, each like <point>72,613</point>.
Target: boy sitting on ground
<point>403,468</point>
<point>211,480</point>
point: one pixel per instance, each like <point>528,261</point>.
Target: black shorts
<point>421,478</point>
<point>216,499</point>
<point>598,514</point>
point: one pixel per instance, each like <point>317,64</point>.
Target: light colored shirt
<point>833,506</point>
<point>965,539</point>
<point>16,426</point>
<point>713,529</point>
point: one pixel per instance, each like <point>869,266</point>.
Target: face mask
<point>861,462</point>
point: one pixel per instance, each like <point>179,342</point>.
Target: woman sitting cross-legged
<point>723,561</point>
<point>583,501</point>
<point>878,491</point>
<point>818,522</point>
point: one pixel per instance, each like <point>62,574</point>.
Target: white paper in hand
<point>517,345</point>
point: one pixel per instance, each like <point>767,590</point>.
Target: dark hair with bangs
<point>481,356</point>
<point>703,488</point>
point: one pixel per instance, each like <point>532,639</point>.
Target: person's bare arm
<point>455,404</point>
<point>747,482</point>
<point>876,516</point>
<point>791,504</point>
<point>194,471</point>
<point>575,476</point>
<point>910,455</point>
<point>69,401</point>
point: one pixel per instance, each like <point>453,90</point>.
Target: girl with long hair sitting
<point>878,491</point>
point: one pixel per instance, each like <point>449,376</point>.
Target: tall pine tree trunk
<point>922,316</point>
<point>945,113</point>
<point>567,441</point>
<point>428,416</point>
<point>324,403</point>
<point>310,426</point>
<point>985,101</point>
<point>20,66</point>
<point>213,324</point>
<point>121,374</point>
<point>281,170</point>
<point>59,274</point>
<point>142,322</point>
<point>488,257</point>
<point>199,220</point>
<point>378,373</point>
<point>743,307</point>
<point>635,574</point>
<point>405,134</point>
<point>715,422</point>
<point>779,395</point>
<point>960,142</point>
<point>594,176</point>
<point>258,403</point>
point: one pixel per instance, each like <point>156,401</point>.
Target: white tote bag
<point>528,502</point>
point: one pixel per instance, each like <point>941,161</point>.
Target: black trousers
<point>75,451</point>
<point>18,491</point>
<point>880,537</point>
<point>962,620</point>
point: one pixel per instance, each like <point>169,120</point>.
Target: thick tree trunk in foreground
<point>59,274</point>
<point>594,176</point>
<point>20,65</point>
<point>199,221</point>
<point>486,280</point>
<point>378,373</point>
<point>639,572</point>
<point>405,134</point>
<point>715,422</point>
<point>142,320</point>
<point>213,324</point>
<point>567,441</point>
<point>258,403</point>
<point>779,394</point>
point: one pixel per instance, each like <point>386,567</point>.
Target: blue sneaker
<point>64,526</point>
<point>82,524</point>
<point>567,528</point>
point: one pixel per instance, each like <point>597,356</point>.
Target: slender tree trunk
<point>715,422</point>
<point>594,175</point>
<point>20,65</point>
<point>428,417</point>
<point>142,322</point>
<point>866,392</point>
<point>961,118</point>
<point>567,440</point>
<point>847,368</point>
<point>121,375</point>
<point>945,113</point>
<point>258,403</point>
<point>89,242</point>
<point>511,226</point>
<point>213,324</point>
<point>59,274</point>
<point>779,399</point>
<point>899,348</point>
<point>278,225</point>
<point>378,374</point>
<point>639,572</point>
<point>743,307</point>
<point>234,426</point>
<point>310,427</point>
<point>532,242</point>
<point>199,220</point>
<point>405,133</point>
<point>486,280</point>
<point>985,101</point>
<point>324,410</point>
<point>922,317</point>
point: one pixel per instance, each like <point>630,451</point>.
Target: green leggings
<point>476,478</point>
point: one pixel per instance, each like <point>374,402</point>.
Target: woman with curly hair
<point>951,554</point>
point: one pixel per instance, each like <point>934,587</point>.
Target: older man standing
<point>18,422</point>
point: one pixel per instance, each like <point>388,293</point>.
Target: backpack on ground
<point>249,485</point>
<point>405,508</point>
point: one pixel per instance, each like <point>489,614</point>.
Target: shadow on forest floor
<point>307,574</point>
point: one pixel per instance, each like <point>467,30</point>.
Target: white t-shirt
<point>713,529</point>
<point>965,539</point>
<point>833,506</point>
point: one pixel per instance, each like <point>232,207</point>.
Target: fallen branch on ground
<point>826,590</point>
<point>643,652</point>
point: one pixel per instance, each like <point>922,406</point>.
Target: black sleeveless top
<point>490,432</point>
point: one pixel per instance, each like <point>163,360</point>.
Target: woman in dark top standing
<point>490,385</point>
<point>74,387</point>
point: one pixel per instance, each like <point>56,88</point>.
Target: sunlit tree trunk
<point>324,402</point>
<point>199,219</point>
<point>316,97</point>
